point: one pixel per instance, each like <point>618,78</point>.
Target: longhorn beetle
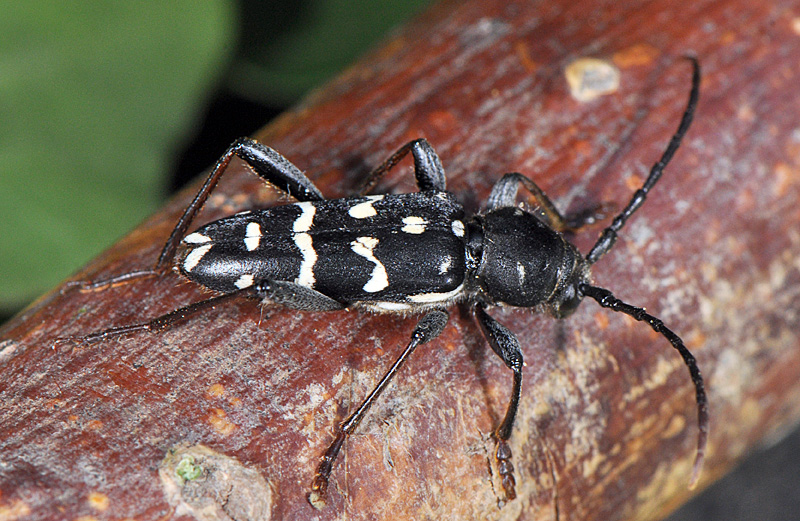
<point>404,253</point>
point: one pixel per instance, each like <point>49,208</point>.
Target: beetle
<point>411,253</point>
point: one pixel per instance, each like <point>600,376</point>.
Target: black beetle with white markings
<point>404,253</point>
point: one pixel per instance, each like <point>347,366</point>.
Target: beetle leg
<point>283,293</point>
<point>506,345</point>
<point>268,164</point>
<point>427,167</point>
<point>295,296</point>
<point>428,328</point>
<point>504,194</point>
<point>160,323</point>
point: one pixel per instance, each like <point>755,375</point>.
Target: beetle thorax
<point>526,263</point>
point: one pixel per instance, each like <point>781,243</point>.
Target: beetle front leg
<point>506,345</point>
<point>504,194</point>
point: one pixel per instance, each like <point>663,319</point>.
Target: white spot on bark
<point>590,78</point>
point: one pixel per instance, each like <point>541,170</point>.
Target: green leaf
<point>94,97</point>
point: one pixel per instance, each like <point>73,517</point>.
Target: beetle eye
<point>567,301</point>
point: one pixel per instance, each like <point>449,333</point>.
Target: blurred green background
<point>106,107</point>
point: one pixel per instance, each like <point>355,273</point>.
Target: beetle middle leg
<point>507,347</point>
<point>427,167</point>
<point>428,328</point>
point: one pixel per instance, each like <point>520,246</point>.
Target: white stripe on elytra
<point>252,236</point>
<point>378,280</point>
<point>365,209</point>
<point>194,257</point>
<point>390,306</point>
<point>306,275</point>
<point>414,224</point>
<point>196,238</point>
<point>435,297</point>
<point>303,241</point>
<point>458,228</point>
<point>306,219</point>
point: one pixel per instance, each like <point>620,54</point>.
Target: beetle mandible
<point>404,253</point>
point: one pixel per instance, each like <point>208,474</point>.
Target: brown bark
<point>606,428</point>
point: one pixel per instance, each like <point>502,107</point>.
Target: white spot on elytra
<point>436,297</point>
<point>306,275</point>
<point>252,236</point>
<point>458,228</point>
<point>365,209</point>
<point>445,265</point>
<point>378,280</point>
<point>196,238</point>
<point>194,257</point>
<point>306,219</point>
<point>413,224</point>
<point>245,281</point>
<point>521,273</point>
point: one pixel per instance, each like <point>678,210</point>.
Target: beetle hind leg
<point>295,296</point>
<point>265,162</point>
<point>160,323</point>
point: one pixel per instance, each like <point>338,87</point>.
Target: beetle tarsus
<point>506,469</point>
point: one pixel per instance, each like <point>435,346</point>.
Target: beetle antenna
<point>607,300</point>
<point>609,235</point>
